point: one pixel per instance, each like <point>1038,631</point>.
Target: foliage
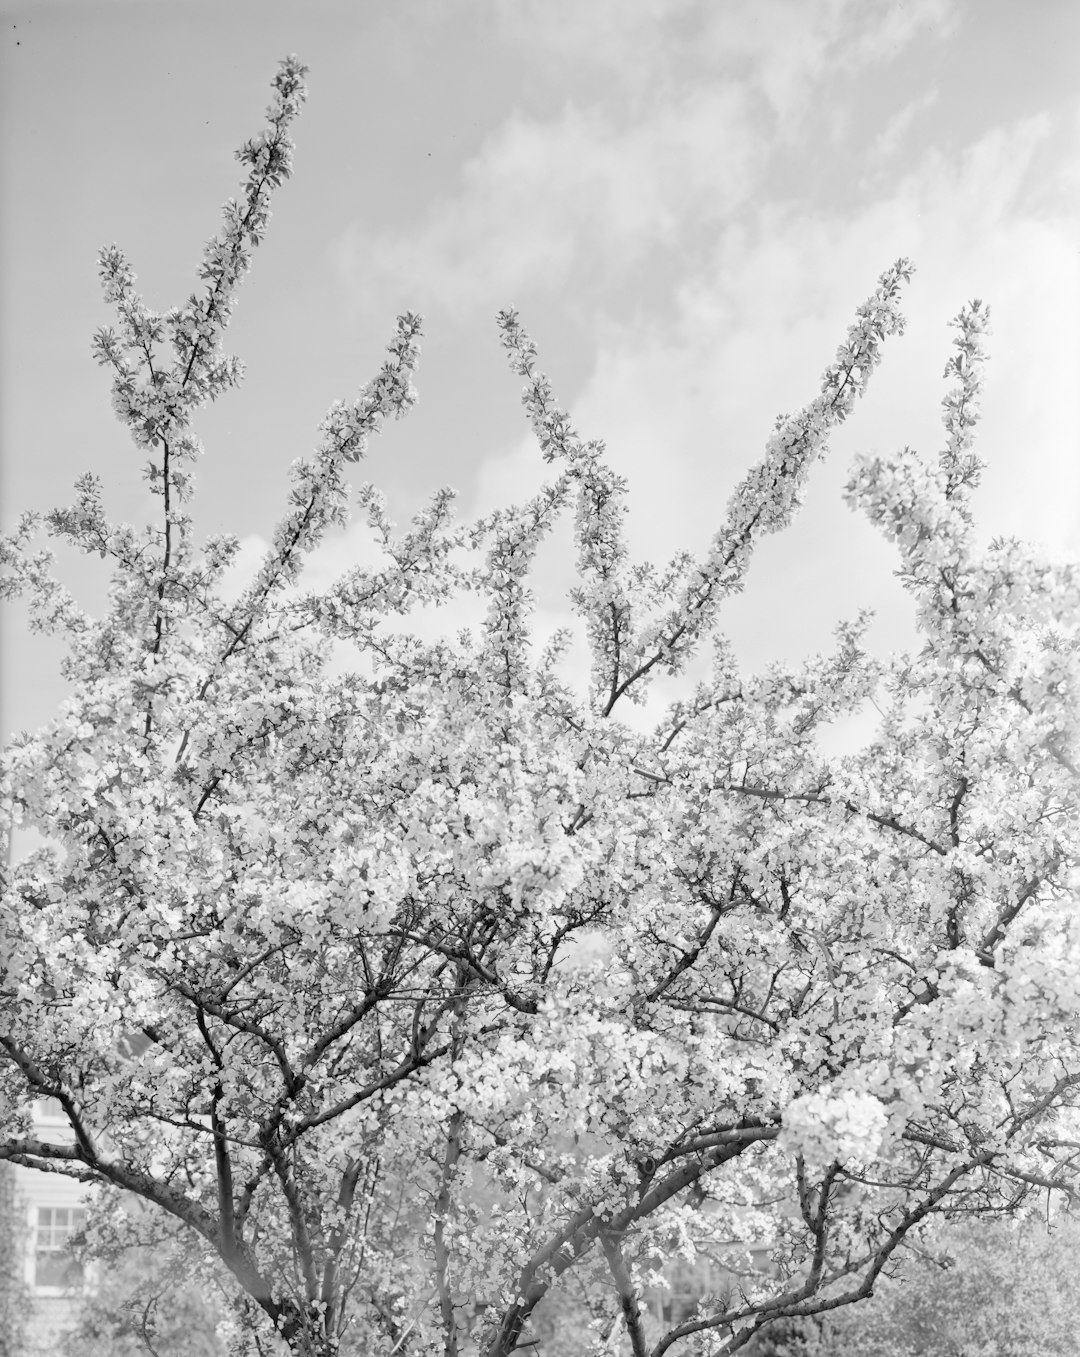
<point>12,1282</point>
<point>975,1289</point>
<point>303,962</point>
<point>150,1293</point>
<point>788,1338</point>
<point>132,1316</point>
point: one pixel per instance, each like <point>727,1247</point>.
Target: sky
<point>684,199</point>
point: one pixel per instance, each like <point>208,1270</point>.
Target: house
<point>49,1209</point>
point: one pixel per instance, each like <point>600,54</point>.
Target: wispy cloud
<point>889,139</point>
<point>779,48</point>
<point>795,53</point>
<point>579,198</point>
<point>650,126</point>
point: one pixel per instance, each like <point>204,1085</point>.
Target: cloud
<point>790,52</point>
<point>780,48</point>
<point>889,139</point>
<point>581,197</point>
<point>685,403</point>
<point>649,126</point>
<point>339,552</point>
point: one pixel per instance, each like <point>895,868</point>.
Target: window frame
<point>76,1219</point>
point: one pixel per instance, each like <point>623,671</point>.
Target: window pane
<point>53,1264</point>
<point>53,1268</point>
<point>49,1109</point>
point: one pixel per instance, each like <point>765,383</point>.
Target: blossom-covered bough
<point>426,994</point>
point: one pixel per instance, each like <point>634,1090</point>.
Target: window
<point>692,1283</point>
<point>48,1112</point>
<point>55,1270</point>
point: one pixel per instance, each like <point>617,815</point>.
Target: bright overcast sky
<point>685,199</point>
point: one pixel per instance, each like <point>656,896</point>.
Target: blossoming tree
<point>303,959</point>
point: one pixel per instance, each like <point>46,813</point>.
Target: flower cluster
<point>826,1127</point>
